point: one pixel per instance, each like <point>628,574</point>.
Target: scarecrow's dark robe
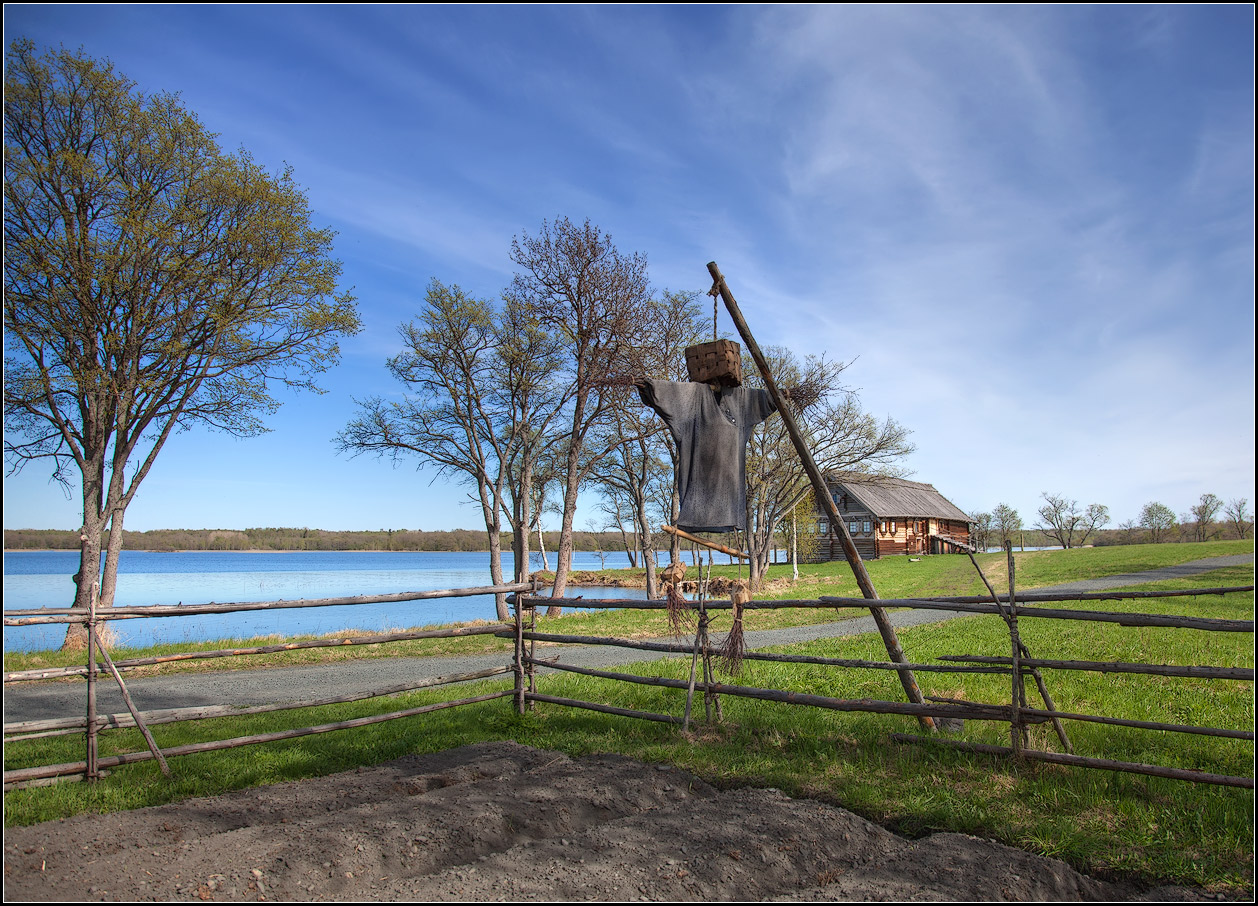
<point>711,428</point>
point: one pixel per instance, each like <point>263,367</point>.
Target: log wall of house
<point>893,537</point>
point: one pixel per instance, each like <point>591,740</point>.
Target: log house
<point>890,517</point>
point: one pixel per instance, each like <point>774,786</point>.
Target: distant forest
<point>298,539</point>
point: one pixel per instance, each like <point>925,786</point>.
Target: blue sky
<point>1032,227</point>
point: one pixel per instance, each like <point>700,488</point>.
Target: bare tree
<point>636,465</point>
<point>1203,515</point>
<point>637,477</point>
<point>1061,520</point>
<point>152,283</point>
<point>841,436</point>
<point>1237,512</point>
<point>984,527</point>
<point>1095,518</point>
<point>575,284</point>
<point>478,394</point>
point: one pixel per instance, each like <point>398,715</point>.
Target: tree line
<point>294,539</point>
<point>1062,523</point>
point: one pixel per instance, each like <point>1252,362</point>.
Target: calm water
<point>43,579</point>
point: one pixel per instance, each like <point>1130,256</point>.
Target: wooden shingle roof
<point>888,498</point>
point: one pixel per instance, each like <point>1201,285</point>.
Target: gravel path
<point>29,701</point>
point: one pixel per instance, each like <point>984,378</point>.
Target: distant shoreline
<point>260,550</point>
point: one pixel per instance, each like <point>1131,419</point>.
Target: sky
<point>1030,228</point>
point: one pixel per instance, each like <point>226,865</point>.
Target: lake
<point>43,579</point>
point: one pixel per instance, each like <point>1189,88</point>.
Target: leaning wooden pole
<point>822,493</point>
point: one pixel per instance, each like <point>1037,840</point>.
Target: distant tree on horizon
<point>152,284</point>
<point>1062,520</point>
<point>1203,515</point>
<point>1005,522</point>
<point>1237,512</point>
<point>1157,519</point>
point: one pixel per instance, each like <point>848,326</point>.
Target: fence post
<point>1016,701</point>
<point>531,667</point>
<point>519,654</point>
<point>90,771</point>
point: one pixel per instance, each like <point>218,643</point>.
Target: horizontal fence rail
<point>92,723</point>
<point>41,615</point>
<point>525,664</point>
<point>936,707</point>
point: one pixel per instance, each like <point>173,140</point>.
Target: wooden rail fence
<point>524,666</point>
<point>947,711</point>
<point>92,724</point>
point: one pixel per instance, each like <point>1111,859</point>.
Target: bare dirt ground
<point>502,821</point>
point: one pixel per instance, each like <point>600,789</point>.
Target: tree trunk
<point>113,555</point>
<point>89,553</point>
<point>495,573</point>
<point>648,555</point>
<point>563,556</point>
<point>794,546</point>
<point>754,566</point>
<point>674,546</point>
<point>522,524</point>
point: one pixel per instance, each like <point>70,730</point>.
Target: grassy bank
<point>1099,821</point>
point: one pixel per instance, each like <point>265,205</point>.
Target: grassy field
<point>1102,822</point>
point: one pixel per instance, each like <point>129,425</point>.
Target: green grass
<point>1101,822</point>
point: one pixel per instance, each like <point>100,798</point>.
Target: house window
<point>869,526</point>
<point>853,526</point>
<point>893,526</point>
<point>823,526</point>
<point>882,526</point>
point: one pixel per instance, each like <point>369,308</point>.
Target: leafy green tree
<point>1157,519</point>
<point>1005,523</point>
<point>152,283</point>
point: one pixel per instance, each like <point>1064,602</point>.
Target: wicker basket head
<point>718,362</point>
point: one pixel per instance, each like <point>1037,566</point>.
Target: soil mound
<point>497,821</point>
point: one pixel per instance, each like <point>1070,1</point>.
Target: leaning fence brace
<point>1015,665</point>
<point>93,766</point>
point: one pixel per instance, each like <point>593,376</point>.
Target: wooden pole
<point>519,656</point>
<point>708,544</point>
<point>1245,674</point>
<point>1079,761</point>
<point>91,771</point>
<point>822,493</point>
<point>1017,703</point>
<point>135,713</point>
<point>1035,671</point>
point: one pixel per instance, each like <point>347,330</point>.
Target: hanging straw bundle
<point>678,607</point>
<point>731,650</point>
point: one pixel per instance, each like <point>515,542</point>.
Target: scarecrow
<point>711,418</point>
